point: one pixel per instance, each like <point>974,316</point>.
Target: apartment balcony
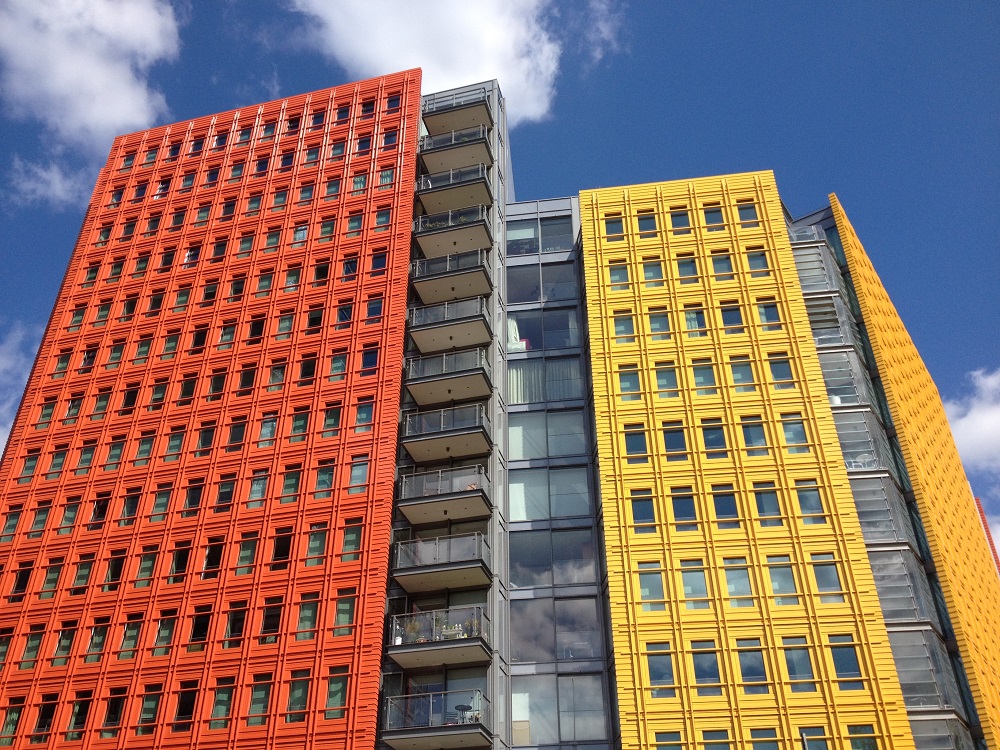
<point>452,277</point>
<point>457,148</point>
<point>452,637</point>
<point>447,495</point>
<point>455,376</point>
<point>442,434</point>
<point>437,721</point>
<point>455,188</point>
<point>456,110</point>
<point>455,231</point>
<point>450,325</point>
<point>446,562</point>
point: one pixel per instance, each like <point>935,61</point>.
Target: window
<point>652,273</point>
<point>651,587</point>
<point>768,508</point>
<point>732,317</point>
<point>810,502</point>
<point>332,188</point>
<point>694,321</point>
<point>624,327</point>
<point>614,228</point>
<point>659,324</point>
<point>258,488</point>
<point>618,275</point>
<point>799,664</point>
<point>781,371</point>
<point>148,710</point>
<point>316,543</point>
<point>668,741</point>
<point>260,700</point>
<point>742,371</point>
<point>643,511</point>
<point>359,475</point>
<point>827,578</point>
<point>705,661</point>
<point>714,436</point>
<point>694,584</point>
<point>754,436</point>
<point>660,663</point>
<point>757,262</point>
<point>130,637</point>
<point>354,223</point>
<point>344,618</point>
<point>845,662</point>
<point>747,212</point>
<point>704,377</point>
<point>722,266</point>
<point>350,547</point>
<point>738,582</point>
<point>628,383</point>
<point>752,670</point>
<point>635,444</point>
<point>674,441</point>
<point>770,318</point>
<point>687,269</point>
<point>542,493</point>
<point>795,433</point>
<point>714,220</point>
<point>666,380</point>
<point>646,221</point>
<point>862,737</point>
<point>680,220</point>
<point>336,693</point>
<point>727,510</point>
<point>331,421</point>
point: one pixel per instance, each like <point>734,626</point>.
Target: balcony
<point>456,188</point>
<point>455,149</point>
<point>455,231</point>
<point>449,494</point>
<point>442,434</point>
<point>450,325</point>
<point>452,277</point>
<point>446,562</point>
<point>437,721</point>
<point>456,110</point>
<point>450,637</point>
<point>455,376</point>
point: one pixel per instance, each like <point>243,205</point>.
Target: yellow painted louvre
<point>961,554</point>
<point>742,601</point>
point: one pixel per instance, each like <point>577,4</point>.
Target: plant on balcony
<point>471,626</point>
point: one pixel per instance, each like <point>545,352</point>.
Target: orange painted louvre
<point>195,500</point>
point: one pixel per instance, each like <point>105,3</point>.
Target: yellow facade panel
<point>739,583</point>
<point>962,558</point>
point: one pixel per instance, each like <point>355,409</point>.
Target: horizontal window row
<point>698,584</point>
<point>129,710</point>
<point>681,219</point>
<point>543,434</point>
<point>731,320</point>
<point>714,439</point>
<point>703,377</point>
<point>648,272</point>
<point>236,135</point>
<point>544,282</point>
<point>352,476</point>
<point>684,510</point>
<point>755,670</point>
<point>547,235</point>
<point>856,737</point>
<point>199,216</point>
<point>350,266</point>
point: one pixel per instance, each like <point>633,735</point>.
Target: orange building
<point>197,487</point>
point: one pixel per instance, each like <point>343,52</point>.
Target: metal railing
<point>448,364</point>
<point>439,625</point>
<point>454,218</point>
<point>442,550</point>
<point>450,264</point>
<point>452,177</point>
<point>444,420</point>
<point>425,710</point>
<point>454,138</point>
<point>457,98</point>
<point>447,311</point>
<point>806,234</point>
<point>444,482</point>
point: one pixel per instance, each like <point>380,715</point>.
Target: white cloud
<point>975,423</point>
<point>456,42</point>
<point>50,183</point>
<point>80,66</point>
<point>601,28</point>
<point>17,352</point>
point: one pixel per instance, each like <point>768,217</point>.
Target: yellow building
<point>736,481</point>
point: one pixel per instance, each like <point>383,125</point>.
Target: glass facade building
<point>330,442</point>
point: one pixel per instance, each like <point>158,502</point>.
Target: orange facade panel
<point>195,500</point>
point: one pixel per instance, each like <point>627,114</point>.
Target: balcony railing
<point>447,219</point>
<point>451,363</point>
<point>424,710</point>
<point>452,177</point>
<point>447,311</point>
<point>453,138</point>
<point>472,260</point>
<point>444,482</point>
<point>439,625</point>
<point>429,423</point>
<point>806,234</point>
<point>450,99</point>
<point>443,550</point>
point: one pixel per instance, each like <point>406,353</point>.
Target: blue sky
<point>894,106</point>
